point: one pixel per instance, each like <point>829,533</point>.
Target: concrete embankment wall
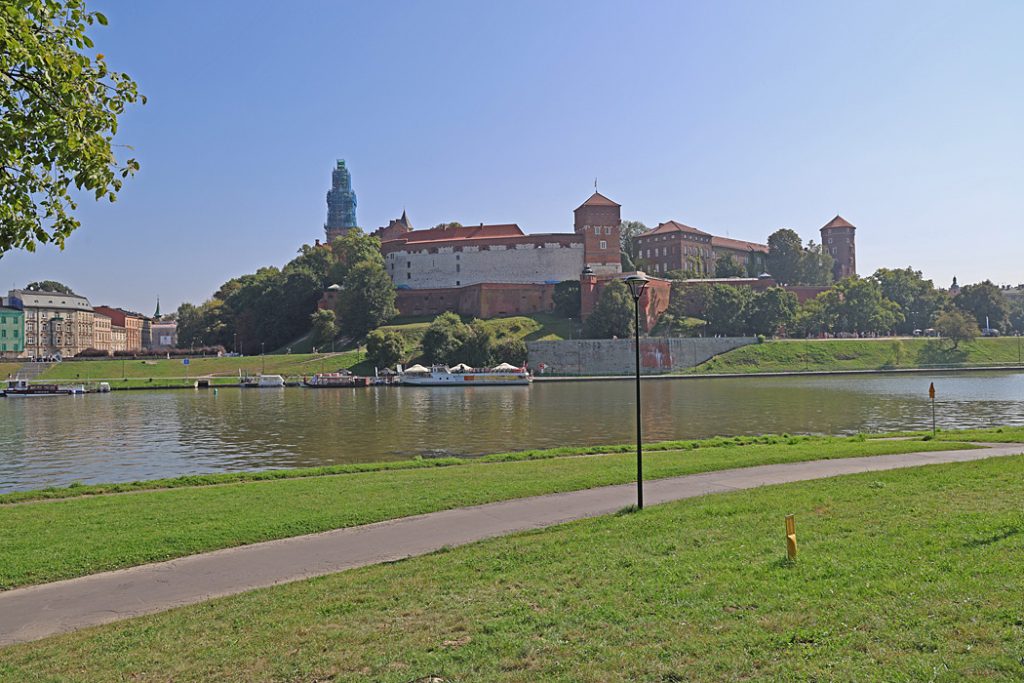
<point>617,356</point>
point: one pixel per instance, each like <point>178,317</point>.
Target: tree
<point>986,303</point>
<point>857,306</point>
<point>367,299</point>
<point>510,350</point>
<point>957,326</point>
<point>384,348</point>
<point>1017,316</point>
<point>726,311</point>
<point>785,251</point>
<point>628,230</point>
<point>59,112</point>
<point>324,326</point>
<point>478,347</point>
<point>444,338</point>
<point>918,299</point>
<point>771,311</point>
<point>814,316</point>
<point>815,266</point>
<point>353,247</point>
<point>727,266</point>
<point>567,299</point>
<point>613,315</point>
<point>49,286</point>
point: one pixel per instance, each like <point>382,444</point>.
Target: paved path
<point>39,611</point>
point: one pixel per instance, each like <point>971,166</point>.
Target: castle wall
<point>481,300</point>
<point>617,356</point>
<point>530,260</point>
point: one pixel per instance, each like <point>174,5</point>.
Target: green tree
<point>384,348</point>
<point>785,251</point>
<point>444,338</point>
<point>815,266</point>
<point>478,347</point>
<point>59,112</point>
<point>628,230</point>
<point>918,299</point>
<point>1017,316</point>
<point>727,310</point>
<point>353,247</point>
<point>49,286</point>
<point>771,311</point>
<point>510,350</point>
<point>814,317</point>
<point>984,301</point>
<point>857,306</point>
<point>727,266</point>
<point>957,326</point>
<point>567,299</point>
<point>325,328</point>
<point>613,316</point>
<point>367,299</point>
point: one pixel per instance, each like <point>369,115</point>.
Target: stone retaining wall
<point>617,356</point>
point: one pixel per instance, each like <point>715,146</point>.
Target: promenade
<point>39,611</point>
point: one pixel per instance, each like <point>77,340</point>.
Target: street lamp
<point>262,357</point>
<point>637,284</point>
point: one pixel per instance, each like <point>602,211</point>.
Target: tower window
<point>602,245</point>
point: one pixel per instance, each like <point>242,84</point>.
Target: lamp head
<point>637,283</point>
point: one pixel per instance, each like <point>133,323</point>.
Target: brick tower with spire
<point>598,219</point>
<point>837,238</point>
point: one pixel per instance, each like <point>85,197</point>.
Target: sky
<point>734,117</point>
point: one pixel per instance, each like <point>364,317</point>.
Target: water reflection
<point>139,435</point>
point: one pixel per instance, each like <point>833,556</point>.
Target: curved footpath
<point>39,611</point>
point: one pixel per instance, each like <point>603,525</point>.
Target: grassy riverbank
<point>904,575</point>
<point>801,355</point>
<point>81,535</point>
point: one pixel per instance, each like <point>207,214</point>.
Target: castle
<point>494,270</point>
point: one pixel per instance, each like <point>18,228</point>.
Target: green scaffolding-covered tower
<point>341,203</point>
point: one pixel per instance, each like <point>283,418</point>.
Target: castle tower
<point>341,203</point>
<point>837,237</point>
<point>598,219</point>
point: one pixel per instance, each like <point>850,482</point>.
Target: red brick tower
<point>597,219</point>
<point>837,238</point>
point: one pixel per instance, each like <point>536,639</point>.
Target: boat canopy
<point>417,369</point>
<point>461,367</point>
<point>504,367</point>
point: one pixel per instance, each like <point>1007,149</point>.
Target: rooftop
<point>465,232</point>
<point>838,222</point>
<point>674,226</point>
<point>597,199</point>
<point>741,245</point>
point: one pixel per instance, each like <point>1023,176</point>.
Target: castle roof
<point>462,232</point>
<point>597,199</point>
<point>673,226</point>
<point>739,245</point>
<point>838,222</point>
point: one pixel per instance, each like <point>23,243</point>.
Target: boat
<point>263,382</point>
<point>330,380</point>
<point>464,376</point>
<point>22,388</point>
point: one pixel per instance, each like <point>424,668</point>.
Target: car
<point>990,332</point>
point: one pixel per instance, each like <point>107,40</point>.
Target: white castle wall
<point>516,263</point>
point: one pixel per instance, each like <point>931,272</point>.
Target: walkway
<point>39,611</point>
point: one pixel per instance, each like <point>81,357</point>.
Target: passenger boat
<point>329,380</point>
<point>464,376</point>
<point>21,387</point>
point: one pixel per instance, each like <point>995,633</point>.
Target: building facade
<point>101,332</point>
<point>675,246</point>
<point>132,323</point>
<point>12,332</point>
<point>165,334</point>
<point>55,323</point>
<point>341,203</point>
<point>598,220</point>
<point>753,257</point>
<point>838,239</point>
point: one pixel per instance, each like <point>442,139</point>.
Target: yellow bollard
<point>791,536</point>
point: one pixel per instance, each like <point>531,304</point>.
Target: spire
<point>157,314</point>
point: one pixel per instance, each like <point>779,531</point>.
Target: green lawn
<point>7,368</point>
<point>81,535</point>
<point>860,354</point>
<point>291,364</point>
<point>908,575</point>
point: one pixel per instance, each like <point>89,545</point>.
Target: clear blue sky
<point>735,117</point>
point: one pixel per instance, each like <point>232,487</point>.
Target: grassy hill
<point>861,354</point>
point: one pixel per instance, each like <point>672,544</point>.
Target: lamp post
<point>637,284</point>
<point>263,358</point>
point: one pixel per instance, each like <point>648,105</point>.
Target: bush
<point>92,353</point>
<point>510,351</point>
<point>384,348</point>
<point>760,339</point>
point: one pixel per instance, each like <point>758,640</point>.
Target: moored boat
<point>263,382</point>
<point>329,380</point>
<point>22,388</point>
<point>465,376</point>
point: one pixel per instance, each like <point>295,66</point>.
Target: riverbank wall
<point>658,355</point>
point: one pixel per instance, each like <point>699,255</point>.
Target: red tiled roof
<point>673,226</point>
<point>466,232</point>
<point>597,199</point>
<point>838,222</point>
<point>739,245</point>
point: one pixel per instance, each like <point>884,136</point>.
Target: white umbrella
<point>461,367</point>
<point>416,368</point>
<point>504,367</point>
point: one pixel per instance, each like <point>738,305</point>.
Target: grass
<point>86,534</point>
<point>989,435</point>
<point>860,354</point>
<point>173,369</point>
<point>908,575</point>
<point>7,368</point>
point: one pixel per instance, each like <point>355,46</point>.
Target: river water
<point>130,435</point>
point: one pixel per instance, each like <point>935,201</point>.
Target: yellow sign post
<point>791,536</point>
<point>931,395</point>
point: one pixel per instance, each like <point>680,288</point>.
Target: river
<point>130,435</point>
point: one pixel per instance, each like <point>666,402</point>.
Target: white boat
<point>264,382</point>
<point>21,388</point>
<point>464,376</point>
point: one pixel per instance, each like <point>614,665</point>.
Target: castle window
<point>457,257</point>
<point>458,283</point>
<point>602,245</point>
<point>408,264</point>
<point>458,268</point>
<point>408,276</point>
<point>607,229</point>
